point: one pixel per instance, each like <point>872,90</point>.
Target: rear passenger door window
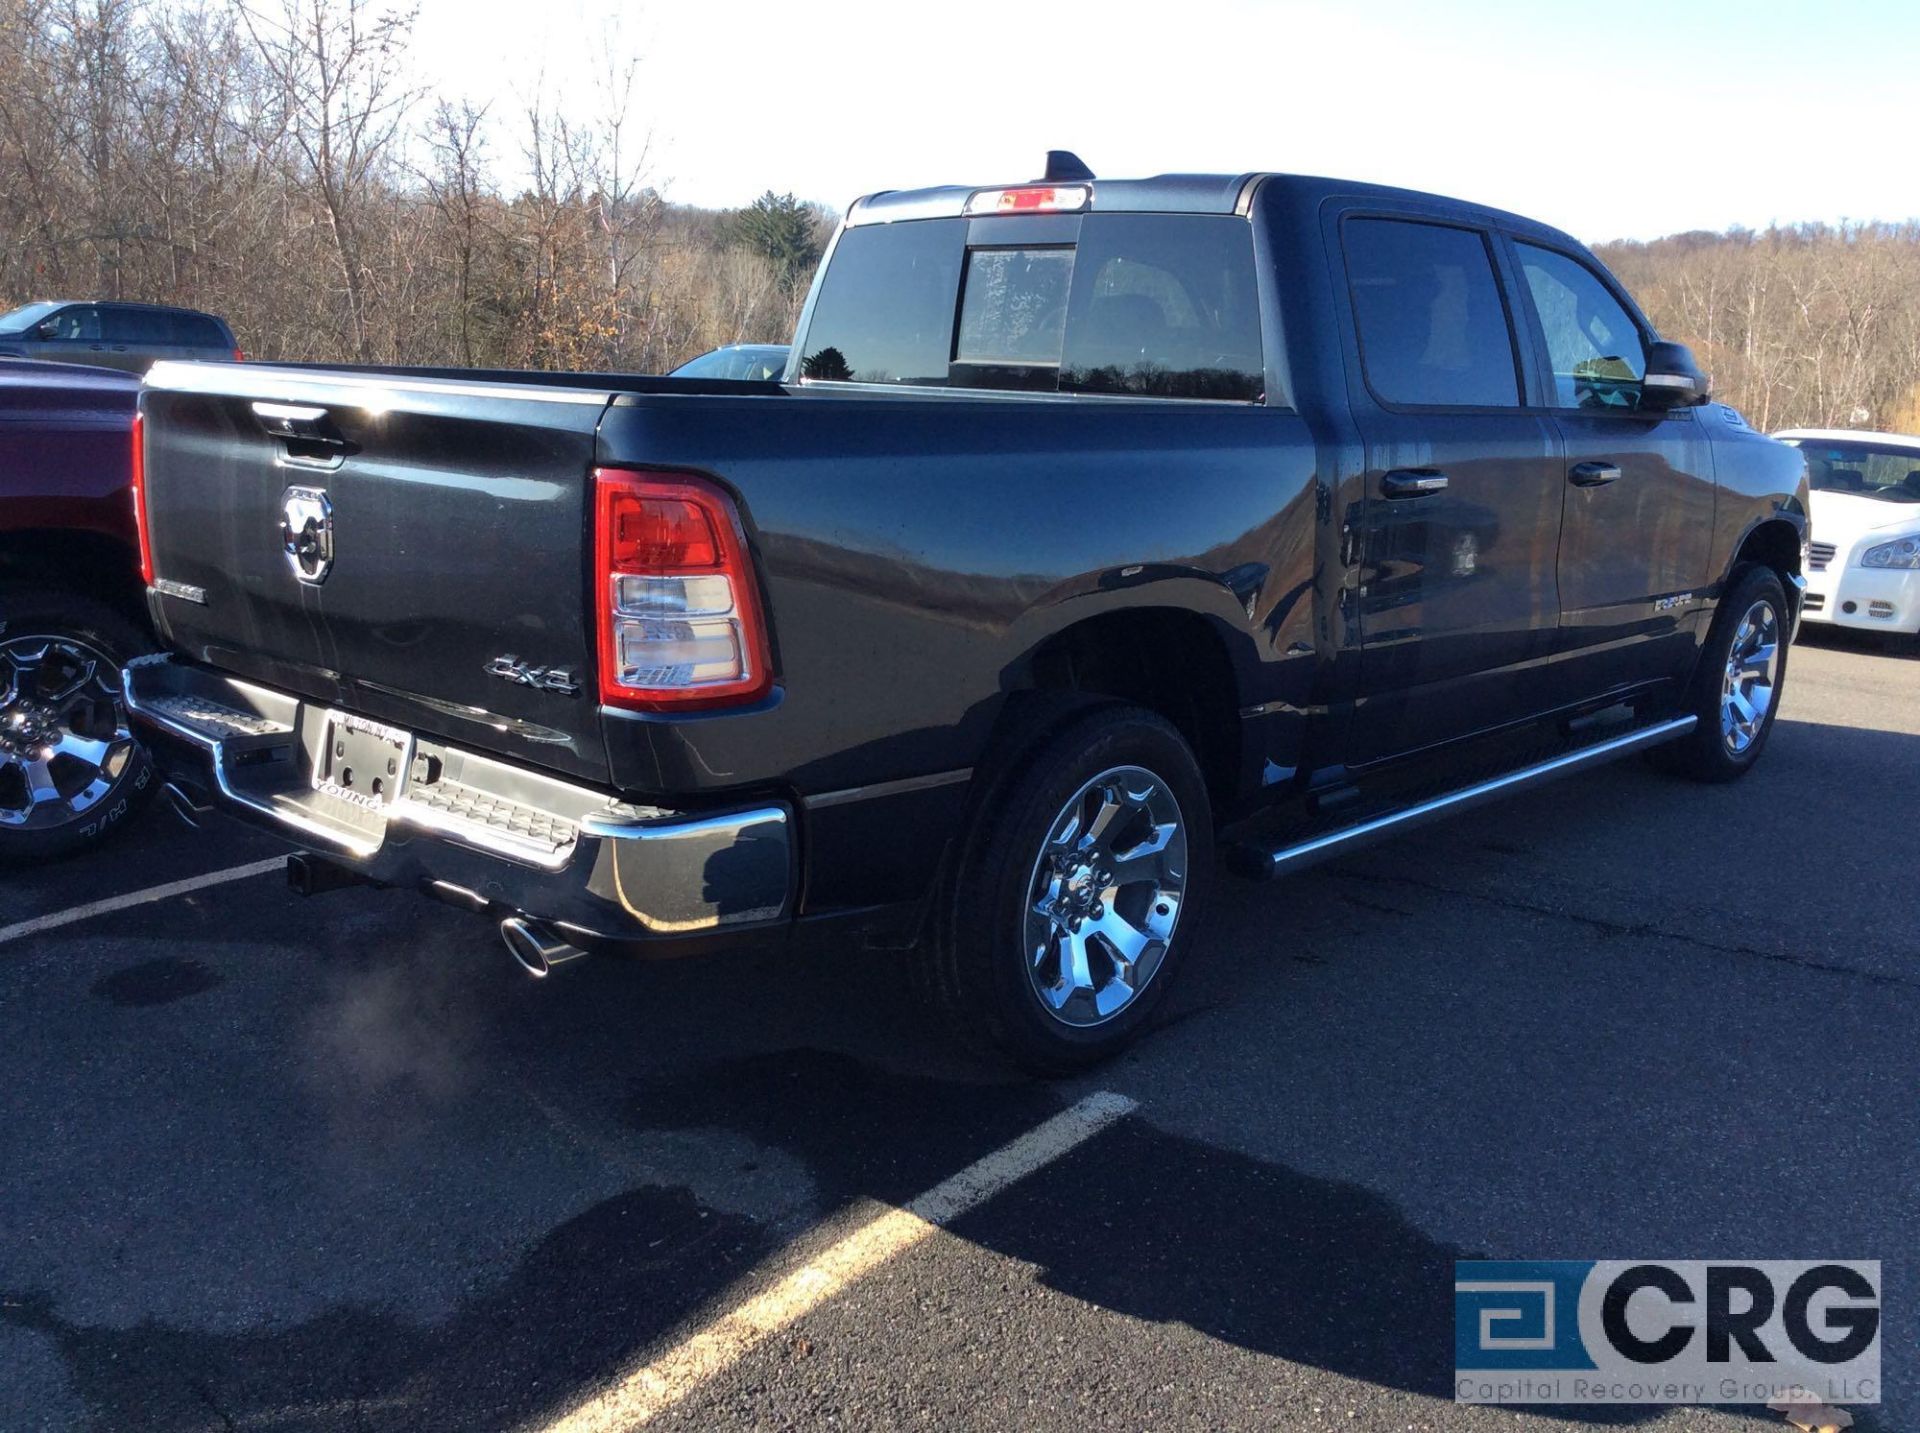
<point>143,327</point>
<point>1597,350</point>
<point>117,325</point>
<point>1433,330</point>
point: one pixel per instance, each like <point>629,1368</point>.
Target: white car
<point>1863,567</point>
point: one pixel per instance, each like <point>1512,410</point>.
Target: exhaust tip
<point>535,948</point>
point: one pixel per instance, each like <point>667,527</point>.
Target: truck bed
<point>904,542</point>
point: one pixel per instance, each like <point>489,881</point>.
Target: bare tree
<point>1809,325</point>
<point>459,194</point>
<point>269,164</point>
<point>627,211</point>
<point>345,95</point>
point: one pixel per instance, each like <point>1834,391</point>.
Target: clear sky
<point>1630,119</point>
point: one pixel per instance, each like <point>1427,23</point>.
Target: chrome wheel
<point>1105,895</point>
<point>64,739</point>
<point>1753,665</point>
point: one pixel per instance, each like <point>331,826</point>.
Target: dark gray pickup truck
<point>1094,520</point>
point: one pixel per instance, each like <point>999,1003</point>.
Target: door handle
<point>1413,482</point>
<point>1593,475</point>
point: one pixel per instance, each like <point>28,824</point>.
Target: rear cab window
<point>1139,305</point>
<point>884,313</point>
<point>1013,318</point>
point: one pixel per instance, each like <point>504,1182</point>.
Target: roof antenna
<point>1066,167</point>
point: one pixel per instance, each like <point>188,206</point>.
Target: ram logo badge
<point>546,679</point>
<point>306,532</point>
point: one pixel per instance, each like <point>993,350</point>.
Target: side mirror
<point>47,330</point>
<point>1673,379</point>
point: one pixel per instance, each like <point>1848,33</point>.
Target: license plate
<point>362,762</point>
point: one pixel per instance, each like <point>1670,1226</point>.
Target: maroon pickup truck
<point>71,608</point>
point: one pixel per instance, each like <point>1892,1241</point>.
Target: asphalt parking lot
<point>338,1164</point>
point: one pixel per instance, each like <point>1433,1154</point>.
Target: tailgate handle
<point>1413,482</point>
<point>307,431</point>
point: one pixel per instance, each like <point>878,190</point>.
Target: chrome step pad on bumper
<point>514,839</point>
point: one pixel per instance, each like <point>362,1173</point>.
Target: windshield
<point>25,317</point>
<point>1863,469</point>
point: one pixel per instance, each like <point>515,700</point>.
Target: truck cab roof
<point>1187,194</point>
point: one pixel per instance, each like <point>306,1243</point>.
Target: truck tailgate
<point>442,526</point>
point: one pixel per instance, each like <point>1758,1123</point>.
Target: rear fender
<point>1138,589</point>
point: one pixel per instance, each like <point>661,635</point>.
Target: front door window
<point>1598,353</point>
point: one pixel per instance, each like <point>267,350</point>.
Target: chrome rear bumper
<point>466,827</point>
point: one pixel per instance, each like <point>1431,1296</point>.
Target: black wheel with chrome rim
<point>1751,676</point>
<point>1078,893</point>
<point>70,770</point>
<point>1737,687</point>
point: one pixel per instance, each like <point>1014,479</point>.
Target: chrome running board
<point>1249,859</point>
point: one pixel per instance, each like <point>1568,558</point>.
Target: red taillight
<point>661,532</point>
<point>138,483</point>
<point>1029,199</point>
<point>239,355</point>
<point>678,611</point>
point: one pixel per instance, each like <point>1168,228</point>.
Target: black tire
<point>980,967</point>
<point>1709,753</point>
<point>89,626</point>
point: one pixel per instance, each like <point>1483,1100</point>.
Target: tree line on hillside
<point>1812,325</point>
<point>275,161</point>
<point>281,167</point>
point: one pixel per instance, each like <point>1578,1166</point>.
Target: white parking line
<point>652,1390</point>
<point>21,929</point>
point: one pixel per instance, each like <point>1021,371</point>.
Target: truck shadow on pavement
<point>1137,1221</point>
<point>596,1288</point>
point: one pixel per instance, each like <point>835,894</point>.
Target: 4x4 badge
<point>306,532</point>
<point>546,679</point>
